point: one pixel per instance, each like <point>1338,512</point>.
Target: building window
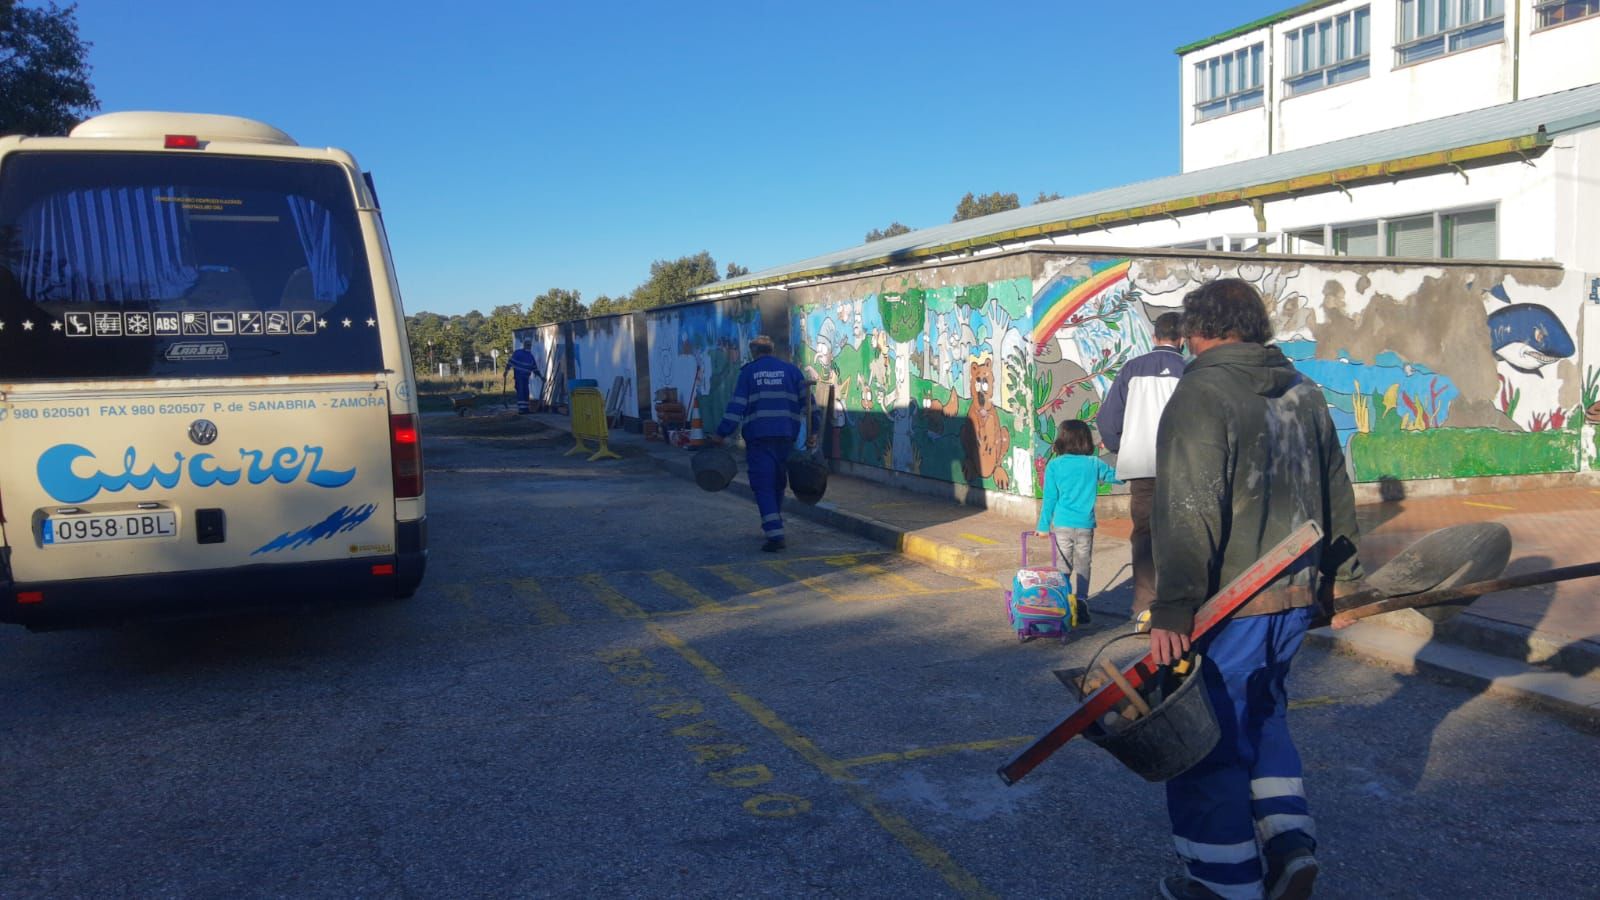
<point>1409,238</point>
<point>1308,241</point>
<point>1559,12</point>
<point>1228,83</point>
<point>1468,235</point>
<point>1356,240</point>
<point>1430,28</point>
<point>1328,52</point>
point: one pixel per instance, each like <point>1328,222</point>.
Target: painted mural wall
<point>928,378</point>
<point>603,350</point>
<point>1430,371</point>
<point>698,349</point>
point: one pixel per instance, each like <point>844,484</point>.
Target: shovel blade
<point>1460,554</point>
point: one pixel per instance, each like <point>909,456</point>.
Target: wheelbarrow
<point>463,403</point>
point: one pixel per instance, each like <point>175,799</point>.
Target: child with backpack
<point>1071,482</point>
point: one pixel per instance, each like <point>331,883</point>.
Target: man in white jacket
<point>1127,420</point>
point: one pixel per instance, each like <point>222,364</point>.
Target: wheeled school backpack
<point>1041,602</point>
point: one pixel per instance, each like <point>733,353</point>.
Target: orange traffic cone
<point>697,430</point>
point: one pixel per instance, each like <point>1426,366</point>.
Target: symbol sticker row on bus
<point>80,324</point>
<point>196,322</point>
<point>108,324</point>
<point>224,323</point>
<point>165,323</point>
<point>191,323</point>
<point>138,323</point>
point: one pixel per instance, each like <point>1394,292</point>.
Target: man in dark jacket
<point>1246,453</point>
<point>769,401</point>
<point>1128,419</point>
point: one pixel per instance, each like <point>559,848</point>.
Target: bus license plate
<point>118,527</point>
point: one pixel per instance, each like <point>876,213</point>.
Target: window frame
<point>1382,222</point>
<point>1318,78</point>
<point>1447,36</point>
<point>1539,7</point>
<point>1233,100</point>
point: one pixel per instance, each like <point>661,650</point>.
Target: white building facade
<point>1329,70</point>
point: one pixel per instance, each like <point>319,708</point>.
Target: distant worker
<point>523,365</point>
<point>769,401</point>
<point>1127,422</point>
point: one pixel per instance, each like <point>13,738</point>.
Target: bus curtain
<point>106,245</point>
<point>315,227</point>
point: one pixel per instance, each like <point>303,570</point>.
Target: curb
<point>1574,699</point>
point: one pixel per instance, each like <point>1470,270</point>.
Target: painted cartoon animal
<point>984,441</point>
<point>1527,336</point>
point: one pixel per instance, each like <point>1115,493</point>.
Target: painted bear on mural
<point>984,441</point>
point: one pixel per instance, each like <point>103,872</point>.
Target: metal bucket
<point>713,468</point>
<point>808,477</point>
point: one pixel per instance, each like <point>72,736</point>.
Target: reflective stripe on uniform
<point>1265,788</point>
<point>1269,827</point>
<point>1244,851</point>
<point>772,517</point>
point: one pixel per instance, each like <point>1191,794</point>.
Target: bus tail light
<point>183,142</point>
<point>405,451</point>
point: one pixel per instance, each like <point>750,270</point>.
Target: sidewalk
<point>1538,645</point>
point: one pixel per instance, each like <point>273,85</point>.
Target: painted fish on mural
<point>1526,335</point>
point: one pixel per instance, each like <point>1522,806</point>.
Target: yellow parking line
<point>683,590</point>
<point>1314,702</point>
<point>612,598</point>
<point>978,538</point>
<point>941,750</point>
<point>545,609</point>
<point>1486,505</point>
<point>869,570</point>
<point>740,582</point>
<point>926,851</point>
<point>813,582</point>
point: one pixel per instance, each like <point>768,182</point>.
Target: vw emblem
<point>202,431</point>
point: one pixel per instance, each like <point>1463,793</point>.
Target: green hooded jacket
<point>1246,453</point>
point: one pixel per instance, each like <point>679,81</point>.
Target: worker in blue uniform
<point>769,401</point>
<point>523,365</point>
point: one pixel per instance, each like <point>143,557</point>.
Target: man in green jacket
<point>1246,452</point>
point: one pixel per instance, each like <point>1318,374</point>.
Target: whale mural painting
<point>1527,336</point>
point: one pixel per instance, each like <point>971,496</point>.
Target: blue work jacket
<point>769,401</point>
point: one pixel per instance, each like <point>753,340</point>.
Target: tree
<point>556,305</point>
<point>736,271</point>
<point>893,229</point>
<point>44,79</point>
<point>672,280</point>
<point>1046,198</point>
<point>608,306</point>
<point>972,207</point>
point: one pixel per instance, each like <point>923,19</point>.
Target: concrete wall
<point>603,349</point>
<point>962,372</point>
<point>698,349</point>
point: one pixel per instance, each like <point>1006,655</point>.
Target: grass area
<point>433,391</point>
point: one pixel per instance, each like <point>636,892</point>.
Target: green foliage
<point>671,281</point>
<point>895,228</point>
<point>608,306</point>
<point>736,271</point>
<point>1046,198</point>
<point>44,75</point>
<point>1591,389</point>
<point>971,207</point>
<point>556,305</point>
<point>904,313</point>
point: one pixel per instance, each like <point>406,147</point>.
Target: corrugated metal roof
<point>1552,113</point>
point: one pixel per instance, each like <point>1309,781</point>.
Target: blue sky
<point>523,146</point>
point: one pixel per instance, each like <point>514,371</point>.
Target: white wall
<point>1559,58</point>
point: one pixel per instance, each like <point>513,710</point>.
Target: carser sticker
<point>340,520</point>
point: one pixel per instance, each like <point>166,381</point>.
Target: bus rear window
<point>126,265</point>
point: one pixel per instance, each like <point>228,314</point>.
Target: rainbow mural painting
<point>1063,295</point>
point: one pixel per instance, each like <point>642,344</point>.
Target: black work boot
<point>1292,875</point>
<point>773,545</point>
<point>1182,887</point>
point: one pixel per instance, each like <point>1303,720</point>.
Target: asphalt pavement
<point>603,688</point>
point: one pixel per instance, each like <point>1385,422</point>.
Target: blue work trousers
<point>765,458</point>
<point>1246,798</point>
<point>521,379</point>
